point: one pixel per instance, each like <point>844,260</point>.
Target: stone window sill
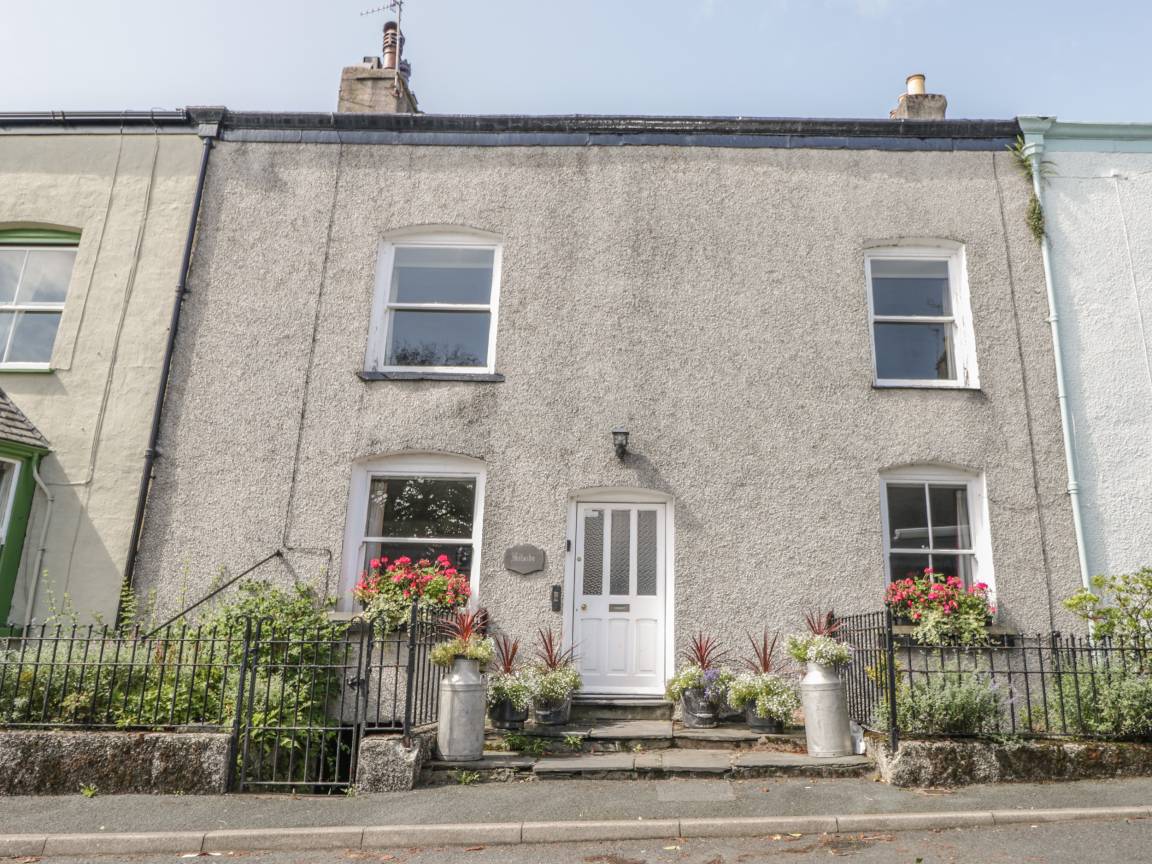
<point>479,377</point>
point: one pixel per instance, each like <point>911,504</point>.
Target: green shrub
<point>947,703</point>
<point>1109,703</point>
<point>1120,607</point>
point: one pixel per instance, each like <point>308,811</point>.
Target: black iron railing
<point>295,701</point>
<point>1024,685</point>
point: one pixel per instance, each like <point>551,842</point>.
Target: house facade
<point>1096,187</point>
<point>94,213</point>
<point>826,342</point>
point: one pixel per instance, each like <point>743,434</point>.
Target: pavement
<point>1036,843</point>
<point>558,811</point>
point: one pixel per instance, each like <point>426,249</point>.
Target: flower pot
<point>696,711</point>
<point>553,713</point>
<point>767,725</point>
<point>460,734</point>
<point>825,712</point>
<point>505,715</point>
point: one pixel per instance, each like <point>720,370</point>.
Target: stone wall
<point>386,764</point>
<point>945,762</point>
<point>59,763</point>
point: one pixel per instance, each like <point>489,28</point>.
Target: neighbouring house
<point>94,214</point>
<point>639,376</point>
<point>1095,186</point>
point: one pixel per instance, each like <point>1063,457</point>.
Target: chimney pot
<point>915,104</point>
<point>391,45</point>
<point>379,85</point>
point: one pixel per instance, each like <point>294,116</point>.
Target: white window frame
<point>981,550</point>
<point>8,497</point>
<point>376,359</point>
<point>441,466</point>
<point>17,308</point>
<point>963,337</point>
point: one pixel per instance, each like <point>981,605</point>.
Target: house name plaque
<point>524,559</point>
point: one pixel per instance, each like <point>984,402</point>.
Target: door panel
<point>620,598</point>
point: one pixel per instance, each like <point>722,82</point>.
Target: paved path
<point>1071,843</point>
<point>543,801</point>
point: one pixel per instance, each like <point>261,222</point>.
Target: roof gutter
<point>208,133</point>
<point>1034,129</point>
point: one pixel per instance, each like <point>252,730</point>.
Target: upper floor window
<point>935,517</point>
<point>435,309</point>
<point>35,269</point>
<point>921,322</point>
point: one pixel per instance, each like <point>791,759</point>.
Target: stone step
<point>600,708</point>
<point>657,764</point>
<point>639,735</point>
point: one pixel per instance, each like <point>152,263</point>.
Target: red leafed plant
<point>822,623</point>
<point>466,625</point>
<point>506,650</point>
<point>763,659</point>
<point>549,652</point>
<point>704,651</point>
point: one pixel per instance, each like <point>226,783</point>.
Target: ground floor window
<point>419,506</point>
<point>935,518</point>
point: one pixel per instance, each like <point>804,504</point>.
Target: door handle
<point>583,607</point>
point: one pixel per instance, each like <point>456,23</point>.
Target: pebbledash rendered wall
<point>711,299</point>
<point>127,187</point>
<point>1097,190</point>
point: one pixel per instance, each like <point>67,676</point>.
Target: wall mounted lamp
<point>620,441</point>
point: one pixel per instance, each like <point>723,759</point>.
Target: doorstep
<point>658,764</point>
<point>640,735</point>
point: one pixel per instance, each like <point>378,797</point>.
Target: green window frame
<point>19,510</point>
<point>30,322</point>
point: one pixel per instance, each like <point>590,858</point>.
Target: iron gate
<point>307,698</point>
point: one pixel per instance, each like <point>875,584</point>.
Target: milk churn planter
<point>701,683</point>
<point>465,653</point>
<point>826,726</point>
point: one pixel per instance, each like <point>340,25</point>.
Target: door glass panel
<point>593,552</point>
<point>950,523</point>
<point>646,553</point>
<point>907,517</point>
<point>420,507</point>
<point>620,564</point>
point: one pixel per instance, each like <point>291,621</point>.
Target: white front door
<point>620,597</point>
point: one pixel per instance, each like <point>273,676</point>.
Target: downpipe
<point>208,134</point>
<point>1034,150</point>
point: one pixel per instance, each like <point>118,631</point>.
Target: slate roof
<point>14,426</point>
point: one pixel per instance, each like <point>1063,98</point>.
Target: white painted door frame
<point>624,495</point>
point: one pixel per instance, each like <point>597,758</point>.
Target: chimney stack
<point>915,104</point>
<point>379,86</point>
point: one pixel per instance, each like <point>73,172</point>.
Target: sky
<point>768,58</point>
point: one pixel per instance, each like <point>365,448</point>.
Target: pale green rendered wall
<point>123,192</point>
